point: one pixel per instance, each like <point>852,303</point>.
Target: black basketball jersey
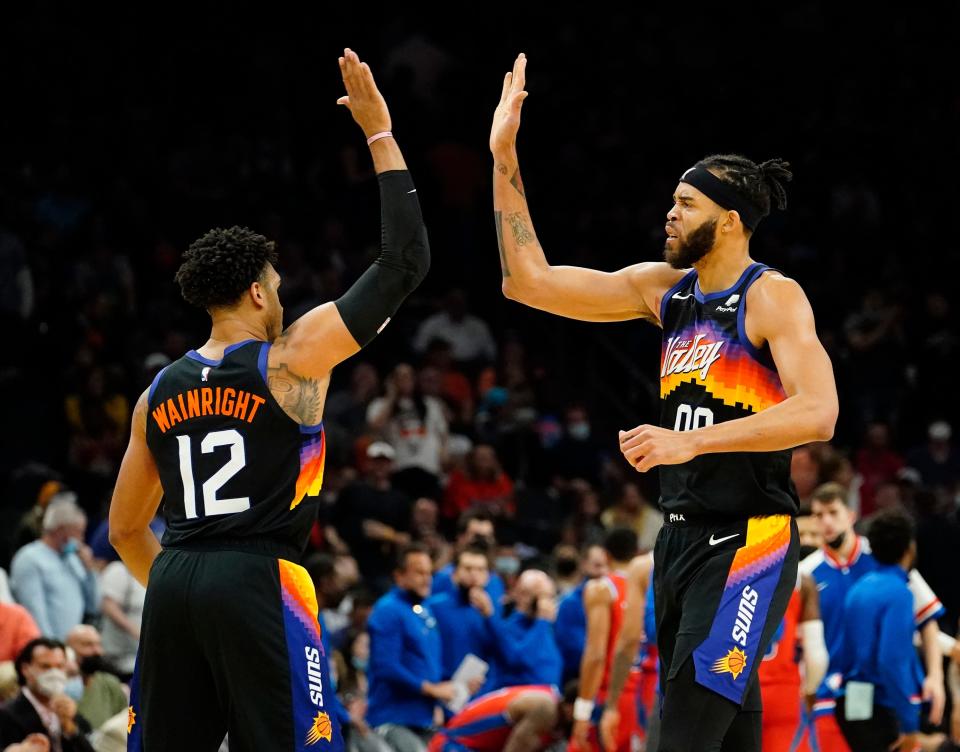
<point>709,373</point>
<point>236,470</point>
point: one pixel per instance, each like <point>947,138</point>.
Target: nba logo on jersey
<point>205,373</point>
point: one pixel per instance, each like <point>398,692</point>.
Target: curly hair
<point>757,182</point>
<point>221,265</point>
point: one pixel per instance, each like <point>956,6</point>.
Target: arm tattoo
<point>521,233</point>
<point>299,396</point>
<point>517,182</point>
<point>619,669</point>
<point>498,218</point>
<point>502,169</point>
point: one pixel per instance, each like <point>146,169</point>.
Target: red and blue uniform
<point>484,725</point>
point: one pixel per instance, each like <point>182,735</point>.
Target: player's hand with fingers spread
<point>363,98</point>
<point>506,118</point>
<point>646,447</point>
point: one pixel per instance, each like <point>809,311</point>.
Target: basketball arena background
<point>126,135</point>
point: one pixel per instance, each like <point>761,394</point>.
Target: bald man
<point>99,694</point>
<point>526,651</point>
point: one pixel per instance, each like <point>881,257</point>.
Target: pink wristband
<point>378,136</point>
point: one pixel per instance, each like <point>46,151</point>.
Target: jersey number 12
<point>238,459</point>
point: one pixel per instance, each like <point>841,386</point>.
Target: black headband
<point>724,194</point>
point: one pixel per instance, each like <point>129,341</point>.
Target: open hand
<point>363,99</point>
<point>506,118</point>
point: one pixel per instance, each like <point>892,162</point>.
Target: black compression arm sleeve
<point>403,261</point>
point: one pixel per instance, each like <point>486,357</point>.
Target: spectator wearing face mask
<point>570,628</point>
<point>53,577</point>
<point>100,695</point>
<point>42,707</point>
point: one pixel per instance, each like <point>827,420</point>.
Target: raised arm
<point>577,293</point>
<point>332,332</point>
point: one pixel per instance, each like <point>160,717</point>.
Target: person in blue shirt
<point>463,615</point>
<point>405,657</point>
<point>844,560</point>
<point>570,628</point>
<point>473,526</point>
<point>883,666</point>
<point>526,650</point>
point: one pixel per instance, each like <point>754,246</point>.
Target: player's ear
<point>257,295</point>
<point>729,221</point>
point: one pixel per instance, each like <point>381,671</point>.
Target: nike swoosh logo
<point>413,191</point>
<point>822,585</point>
<point>715,541</point>
<point>678,296</point>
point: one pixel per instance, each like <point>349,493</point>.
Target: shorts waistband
<point>273,549</point>
<point>686,519</point>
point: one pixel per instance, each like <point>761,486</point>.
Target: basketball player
<point>514,719</point>
<point>605,603</point>
<point>743,379</point>
<point>627,650</point>
<point>781,683</point>
<point>230,437</point>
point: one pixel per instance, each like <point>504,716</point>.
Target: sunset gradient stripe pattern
<point>766,547</point>
<point>313,455</point>
<point>299,597</point>
<point>736,377</point>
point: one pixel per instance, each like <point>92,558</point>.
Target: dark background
<point>126,135</point>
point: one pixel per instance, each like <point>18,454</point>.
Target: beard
<point>698,244</point>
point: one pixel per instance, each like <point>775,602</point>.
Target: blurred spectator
<point>632,510</point>
<point>566,568</point>
<point>416,427</point>
<point>482,484</point>
<point>371,516</point>
<point>937,461</point>
<point>122,606</point>
<point>577,454</point>
<point>329,589</point>
<point>875,338</point>
<point>424,528</point>
<point>879,641</point>
<point>5,595</point>
<point>405,657</point>
<point>877,464</point>
<point>347,408</point>
<point>525,648</point>
<point>53,577</point>
<point>583,526</point>
<point>463,615</point>
<point>42,707</point>
<point>473,528</point>
<point>16,279</point>
<point>469,337</point>
<point>805,472</point>
<point>455,388</point>
<point>570,629</point>
<point>17,628</point>
<point>102,695</point>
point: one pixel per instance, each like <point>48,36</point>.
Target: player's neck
<point>619,566</point>
<point>721,268</point>
<point>849,543</point>
<point>228,330</point>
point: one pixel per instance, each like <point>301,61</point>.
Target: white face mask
<point>52,682</point>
